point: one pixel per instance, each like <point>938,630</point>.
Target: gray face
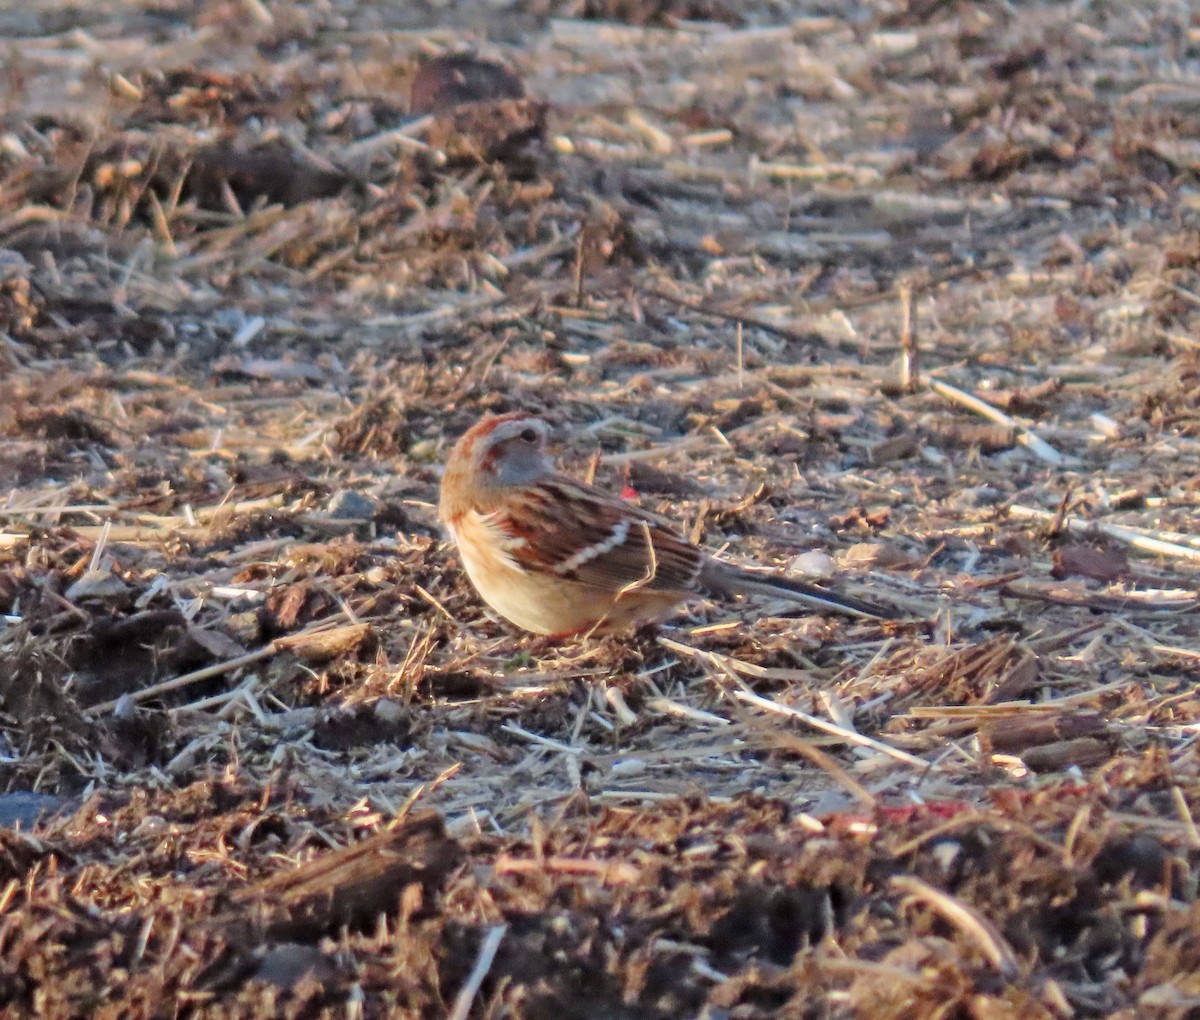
<point>517,453</point>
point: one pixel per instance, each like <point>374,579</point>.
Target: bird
<point>563,558</point>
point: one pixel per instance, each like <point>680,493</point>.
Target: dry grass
<point>907,299</point>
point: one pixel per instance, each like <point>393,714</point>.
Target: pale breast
<point>540,603</point>
<point>545,602</point>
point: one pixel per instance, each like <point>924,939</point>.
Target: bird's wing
<point>580,532</point>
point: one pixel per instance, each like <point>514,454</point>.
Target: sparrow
<point>559,557</point>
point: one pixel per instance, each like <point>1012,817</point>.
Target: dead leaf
<point>217,644</point>
<point>1097,562</point>
<point>98,584</point>
<point>875,554</point>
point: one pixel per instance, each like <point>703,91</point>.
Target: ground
<point>902,295</point>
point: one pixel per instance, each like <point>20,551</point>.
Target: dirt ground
<point>903,295</point>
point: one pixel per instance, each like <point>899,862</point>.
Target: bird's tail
<point>720,578</point>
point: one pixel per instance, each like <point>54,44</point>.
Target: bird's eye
<point>529,436</point>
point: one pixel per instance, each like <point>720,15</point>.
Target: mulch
<point>902,297</point>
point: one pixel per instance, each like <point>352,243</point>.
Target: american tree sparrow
<point>558,557</point>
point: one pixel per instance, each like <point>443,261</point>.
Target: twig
<point>910,369</point>
<point>98,549</point>
<point>1184,653</point>
<point>1090,696</point>
<point>615,872</point>
<point>857,967</point>
<point>1025,435</point>
<point>976,927</point>
<point>354,157</point>
<point>738,665</point>
<point>537,738</point>
<point>675,709</point>
<point>700,308</point>
<point>483,963</point>
<point>1185,816</point>
<point>653,453</point>
<point>743,693</point>
<point>1132,536</point>
<point>217,669</point>
<point>820,307</point>
<point>1151,600</point>
<point>850,736</point>
<point>790,742</point>
<point>432,600</point>
<point>228,699</point>
<point>741,358</point>
<point>970,818</point>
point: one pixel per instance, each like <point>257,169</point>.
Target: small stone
<point>98,584</point>
<point>347,505</point>
<point>979,495</point>
<point>125,708</point>
<point>874,554</point>
<point>289,962</point>
<point>244,627</point>
<point>814,563</point>
<point>390,712</point>
<point>23,809</point>
<point>151,825</point>
<point>457,78</point>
